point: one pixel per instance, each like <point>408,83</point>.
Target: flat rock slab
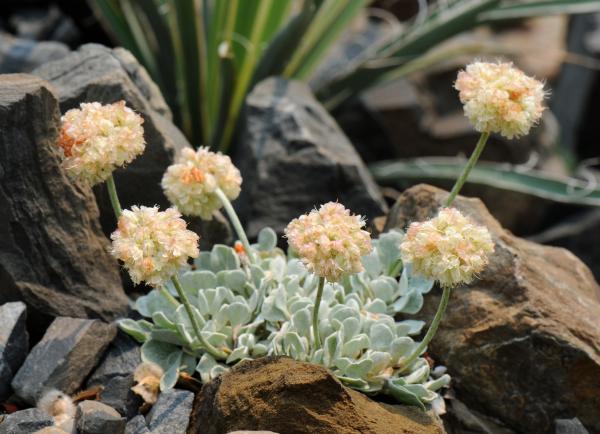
<point>120,360</point>
<point>293,157</point>
<point>14,343</point>
<point>171,412</point>
<point>137,425</point>
<point>522,344</point>
<point>282,395</point>
<point>63,358</point>
<point>94,417</point>
<point>53,254</point>
<point>25,422</point>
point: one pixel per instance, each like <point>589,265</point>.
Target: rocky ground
<point>522,344</point>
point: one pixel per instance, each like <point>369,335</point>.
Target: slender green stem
<point>432,329</point>
<point>188,307</point>
<point>470,164</point>
<point>166,294</point>
<point>235,221</point>
<point>315,316</point>
<point>114,198</point>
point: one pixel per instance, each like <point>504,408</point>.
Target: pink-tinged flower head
<point>96,139</point>
<point>449,248</point>
<point>330,241</point>
<point>499,98</point>
<point>191,182</point>
<point>153,244</point>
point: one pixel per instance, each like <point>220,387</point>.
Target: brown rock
<point>53,255</point>
<point>282,395</point>
<point>523,343</point>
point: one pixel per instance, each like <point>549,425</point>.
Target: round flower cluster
<point>499,98</point>
<point>330,241</point>
<point>449,248</point>
<point>96,139</point>
<point>190,184</point>
<point>153,244</point>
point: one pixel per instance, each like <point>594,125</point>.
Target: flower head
<point>96,139</point>
<point>58,405</point>
<point>147,375</point>
<point>153,244</point>
<point>191,182</point>
<point>499,98</point>
<point>330,241</point>
<point>449,248</point>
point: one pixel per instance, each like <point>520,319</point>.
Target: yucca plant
<point>206,55</point>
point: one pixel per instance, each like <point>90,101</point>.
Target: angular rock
<point>14,343</point>
<point>25,422</point>
<point>24,55</point>
<point>569,426</point>
<point>94,417</point>
<point>98,73</point>
<point>120,360</point>
<point>286,396</point>
<point>53,255</point>
<point>522,343</point>
<point>137,425</point>
<point>171,412</point>
<point>63,358</point>
<point>117,393</point>
<point>293,157</point>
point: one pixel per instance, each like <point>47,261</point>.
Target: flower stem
<point>114,198</point>
<point>315,316</point>
<point>235,221</point>
<point>188,307</point>
<point>432,328</point>
<point>470,164</point>
<point>166,294</point>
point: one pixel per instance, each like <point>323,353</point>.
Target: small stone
<point>25,422</point>
<point>137,425</point>
<point>121,359</point>
<point>14,343</point>
<point>94,417</point>
<point>569,426</point>
<point>117,393</point>
<point>63,358</point>
<point>171,413</point>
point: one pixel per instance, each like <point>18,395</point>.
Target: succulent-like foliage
<point>248,311</point>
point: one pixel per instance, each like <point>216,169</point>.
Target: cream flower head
<point>499,98</point>
<point>147,375</point>
<point>58,405</point>
<point>96,139</point>
<point>153,244</point>
<point>330,241</point>
<point>449,248</point>
<point>191,182</point>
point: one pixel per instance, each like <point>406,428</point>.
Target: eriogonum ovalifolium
<point>499,98</point>
<point>153,244</point>
<point>190,183</point>
<point>330,241</point>
<point>449,248</point>
<point>96,139</point>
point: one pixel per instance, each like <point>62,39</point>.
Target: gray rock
<point>53,255</point>
<point>14,343</point>
<point>137,425</point>
<point>63,358</point>
<point>117,393</point>
<point>25,422</point>
<point>293,157</point>
<point>24,55</point>
<point>94,417</point>
<point>569,426</point>
<point>98,73</point>
<point>121,359</point>
<point>171,412</point>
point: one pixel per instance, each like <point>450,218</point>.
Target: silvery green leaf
<point>238,314</point>
<point>376,306</point>
<point>257,274</point>
<point>157,352</point>
<point>184,334</point>
<point>409,327</point>
<point>359,369</point>
<point>299,304</point>
<point>295,346</point>
<point>215,298</point>
<point>203,261</point>
<point>388,248</point>
<point>223,258</point>
<point>410,303</point>
<point>332,348</point>
<point>384,288</point>
<point>341,312</point>
<point>397,389</point>
<point>381,337</point>
<point>168,336</point>
<point>181,317</point>
<point>355,383</point>
<point>301,320</point>
<point>205,367</point>
<point>188,363</point>
<point>152,302</point>
<point>232,279</point>
<point>296,267</point>
<point>403,288</point>
<point>198,279</point>
<point>351,327</point>
<point>161,320</point>
<point>380,360</point>
<point>372,264</point>
<point>438,383</point>
<point>135,329</point>
<point>237,354</point>
<point>169,378</point>
<point>259,350</point>
<point>418,375</point>
<point>277,267</point>
<point>215,339</point>
<point>267,240</point>
<point>401,347</point>
<point>417,282</point>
